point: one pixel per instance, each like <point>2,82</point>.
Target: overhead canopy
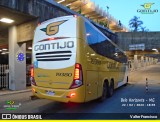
<point>94,12</point>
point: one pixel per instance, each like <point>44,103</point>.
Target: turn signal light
<point>32,76</point>
<point>73,94</point>
<point>33,90</point>
<point>77,79</point>
<point>32,71</point>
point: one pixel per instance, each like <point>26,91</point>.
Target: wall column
<point>147,60</point>
<point>17,62</point>
<point>142,61</point>
<point>135,62</point>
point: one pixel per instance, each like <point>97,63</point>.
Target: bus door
<point>92,76</point>
<point>91,85</point>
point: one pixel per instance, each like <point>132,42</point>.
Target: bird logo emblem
<point>147,5</point>
<point>53,28</point>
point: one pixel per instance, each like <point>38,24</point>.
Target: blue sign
<point>20,57</point>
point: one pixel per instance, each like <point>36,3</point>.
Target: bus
<point>76,60</point>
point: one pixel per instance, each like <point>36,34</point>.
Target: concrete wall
<point>150,39</point>
<point>25,31</point>
<point>17,68</point>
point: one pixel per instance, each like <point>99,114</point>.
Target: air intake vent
<point>54,56</point>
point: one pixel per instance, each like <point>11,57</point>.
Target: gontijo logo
<point>52,28</point>
<point>147,5</point>
<point>147,9</point>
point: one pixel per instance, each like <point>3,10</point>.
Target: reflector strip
<point>53,56</point>
<point>53,38</point>
<point>60,59</point>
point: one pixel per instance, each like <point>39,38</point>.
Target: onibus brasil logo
<point>11,105</point>
<point>147,9</point>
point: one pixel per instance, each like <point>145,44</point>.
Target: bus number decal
<point>64,74</point>
<point>95,61</point>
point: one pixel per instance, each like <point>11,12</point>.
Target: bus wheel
<point>111,89</point>
<point>104,92</point>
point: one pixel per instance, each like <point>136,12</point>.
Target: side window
<point>108,49</point>
<point>91,34</point>
<point>101,45</point>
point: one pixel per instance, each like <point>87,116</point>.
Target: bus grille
<point>54,56</point>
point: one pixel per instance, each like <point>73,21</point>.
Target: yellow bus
<point>76,60</point>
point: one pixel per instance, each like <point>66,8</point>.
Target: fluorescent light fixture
<point>68,4</point>
<point>154,49</point>
<point>6,20</point>
<point>3,53</point>
<point>61,1</point>
<point>88,34</point>
<point>0,50</point>
<point>29,48</point>
<point>4,49</point>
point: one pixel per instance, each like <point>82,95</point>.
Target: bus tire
<point>104,92</point>
<point>111,89</point>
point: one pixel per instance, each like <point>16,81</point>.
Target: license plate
<point>51,93</point>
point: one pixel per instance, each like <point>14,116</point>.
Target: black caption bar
<point>81,116</point>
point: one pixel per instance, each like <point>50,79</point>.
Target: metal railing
<point>134,65</point>
<point>4,76</point>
